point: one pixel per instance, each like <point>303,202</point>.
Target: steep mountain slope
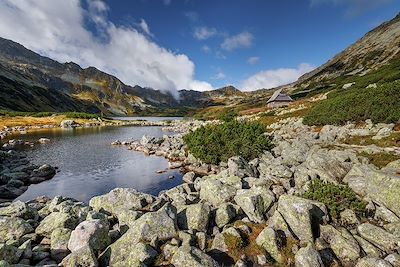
<point>37,82</point>
<point>379,47</point>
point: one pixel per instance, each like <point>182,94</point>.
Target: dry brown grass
<point>8,121</point>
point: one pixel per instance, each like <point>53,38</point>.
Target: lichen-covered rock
<point>91,233</point>
<point>278,223</point>
<point>194,217</point>
<point>56,220</point>
<point>216,192</point>
<point>271,242</point>
<point>19,209</point>
<point>10,253</point>
<point>190,256</point>
<point>82,257</point>
<point>255,202</point>
<point>121,199</point>
<point>13,228</point>
<point>189,177</point>
<point>327,165</point>
<point>368,248</point>
<point>379,237</point>
<point>224,214</point>
<point>302,215</point>
<point>393,259</point>
<point>59,243</point>
<point>150,228</point>
<point>238,166</point>
<point>372,262</point>
<point>134,255</point>
<point>341,242</point>
<point>379,186</point>
<point>308,257</point>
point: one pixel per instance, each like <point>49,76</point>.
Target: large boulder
<point>341,242</point>
<point>151,227</point>
<point>379,186</point>
<point>269,240</point>
<point>13,228</point>
<point>19,209</point>
<point>215,192</point>
<point>68,124</point>
<point>194,257</point>
<point>56,220</point>
<point>121,199</point>
<point>194,217</point>
<point>10,253</point>
<point>308,257</point>
<point>92,233</point>
<point>302,215</point>
<point>59,243</point>
<point>224,214</point>
<point>255,202</point>
<point>379,237</point>
<point>372,262</point>
<point>82,257</point>
<point>328,165</point>
<point>134,255</point>
<point>238,166</point>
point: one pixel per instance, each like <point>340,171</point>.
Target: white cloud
<point>253,60</point>
<point>200,86</point>
<point>220,55</point>
<point>241,40</point>
<point>203,33</point>
<point>220,75</point>
<point>167,2</point>
<point>206,49</point>
<point>57,29</point>
<point>145,27</point>
<point>272,78</point>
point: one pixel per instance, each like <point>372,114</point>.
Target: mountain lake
<point>88,165</point>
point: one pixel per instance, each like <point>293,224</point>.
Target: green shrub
<point>337,198</point>
<point>80,115</point>
<point>42,114</point>
<point>228,115</point>
<point>216,143</point>
<point>380,104</point>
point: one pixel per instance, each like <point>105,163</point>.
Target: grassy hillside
<point>375,96</point>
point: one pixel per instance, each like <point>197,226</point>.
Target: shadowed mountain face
<point>31,82</point>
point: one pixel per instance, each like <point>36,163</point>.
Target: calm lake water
<point>90,166</point>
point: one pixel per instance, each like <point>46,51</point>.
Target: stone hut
<point>279,99</point>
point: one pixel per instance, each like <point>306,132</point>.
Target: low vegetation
<point>72,115</point>
<point>380,159</point>
<point>380,104</point>
<point>337,198</point>
<point>391,140</point>
<point>216,143</point>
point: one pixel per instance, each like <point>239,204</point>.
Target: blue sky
<point>197,44</point>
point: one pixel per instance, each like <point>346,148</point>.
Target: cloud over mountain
<point>59,29</point>
<point>272,78</point>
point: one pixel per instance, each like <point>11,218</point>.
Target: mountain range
<point>31,82</point>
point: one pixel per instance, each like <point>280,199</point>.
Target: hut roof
<point>278,96</point>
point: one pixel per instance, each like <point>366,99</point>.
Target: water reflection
<point>90,166</point>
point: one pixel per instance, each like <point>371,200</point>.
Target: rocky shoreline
<point>238,213</point>
<point>67,124</point>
